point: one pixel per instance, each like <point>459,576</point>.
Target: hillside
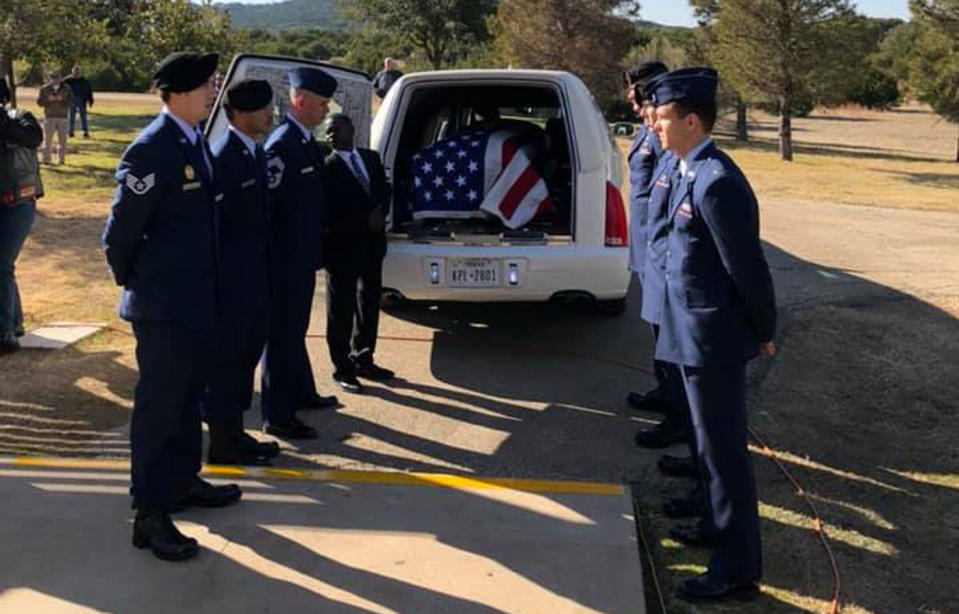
<point>294,14</point>
<point>288,15</point>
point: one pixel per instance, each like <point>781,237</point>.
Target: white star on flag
<point>417,181</point>
<point>461,154</point>
<point>474,167</point>
<point>472,195</point>
<point>450,167</point>
<point>427,167</point>
<point>449,195</point>
<point>438,181</point>
<point>438,154</point>
<point>461,181</point>
<point>428,195</point>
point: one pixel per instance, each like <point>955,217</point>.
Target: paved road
<point>537,391</point>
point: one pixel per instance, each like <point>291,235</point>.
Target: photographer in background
<point>20,186</point>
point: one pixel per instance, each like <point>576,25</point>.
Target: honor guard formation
<point>217,247</point>
<point>708,297</point>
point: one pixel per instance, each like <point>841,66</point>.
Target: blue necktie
<point>358,171</point>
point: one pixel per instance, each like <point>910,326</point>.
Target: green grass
<point>87,175</point>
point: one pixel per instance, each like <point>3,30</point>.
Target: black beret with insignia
<point>249,95</point>
<point>312,79</point>
<point>184,71</point>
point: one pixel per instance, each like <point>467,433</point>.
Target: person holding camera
<point>20,186</point>
<point>55,97</point>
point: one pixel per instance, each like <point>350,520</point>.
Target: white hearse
<point>574,249</point>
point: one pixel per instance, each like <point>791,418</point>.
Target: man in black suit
<point>356,245</point>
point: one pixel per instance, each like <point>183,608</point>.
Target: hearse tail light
<point>616,231</point>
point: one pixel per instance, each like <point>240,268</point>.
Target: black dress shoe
<point>318,401</point>
<point>651,401</point>
<point>707,588</point>
<point>204,494</point>
<point>154,530</point>
<point>677,466</point>
<point>9,343</point>
<point>248,445</point>
<point>668,432</point>
<point>690,506</point>
<point>691,535</point>
<point>374,372</point>
<point>294,429</point>
<point>349,383</point>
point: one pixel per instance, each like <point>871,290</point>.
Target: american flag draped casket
<point>481,172</point>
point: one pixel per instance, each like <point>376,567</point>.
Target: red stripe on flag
<point>518,191</point>
<point>509,150</point>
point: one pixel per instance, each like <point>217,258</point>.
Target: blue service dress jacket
<point>643,158</point>
<point>657,234</point>
<point>718,304</point>
<point>243,227</point>
<point>159,238</point>
<point>298,197</point>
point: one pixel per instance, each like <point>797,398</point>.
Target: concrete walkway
<point>321,542</point>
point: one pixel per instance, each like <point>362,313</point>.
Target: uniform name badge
<point>188,172</point>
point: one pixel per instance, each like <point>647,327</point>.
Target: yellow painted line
<point>71,463</point>
<point>440,480</point>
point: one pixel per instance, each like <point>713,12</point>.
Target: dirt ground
<point>859,403</point>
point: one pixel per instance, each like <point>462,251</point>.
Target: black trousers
<point>353,291</point>
<point>165,435</point>
<point>287,375</point>
<point>717,403</point>
<point>238,349</point>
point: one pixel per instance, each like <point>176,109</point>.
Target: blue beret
<point>685,84</point>
<point>312,79</point>
<point>184,71</point>
<point>249,95</point>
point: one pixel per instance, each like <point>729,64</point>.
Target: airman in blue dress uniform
<point>243,250</point>
<point>718,312</point>
<point>645,156</point>
<point>298,210</point>
<point>677,427</point>
<point>160,245</point>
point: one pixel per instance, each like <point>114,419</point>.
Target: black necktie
<point>259,157</point>
<point>201,153</point>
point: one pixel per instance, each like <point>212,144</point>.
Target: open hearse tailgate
<point>353,93</point>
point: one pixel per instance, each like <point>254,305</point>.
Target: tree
<point>441,29</point>
<point>934,70</point>
<point>52,31</point>
<point>142,32</point>
<point>896,51</point>
<point>772,48</point>
<point>585,37</point>
<point>706,12</point>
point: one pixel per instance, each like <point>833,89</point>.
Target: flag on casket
<point>478,173</point>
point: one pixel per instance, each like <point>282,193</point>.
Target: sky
<point>678,13</point>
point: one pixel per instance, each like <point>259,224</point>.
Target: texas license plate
<point>474,273</point>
